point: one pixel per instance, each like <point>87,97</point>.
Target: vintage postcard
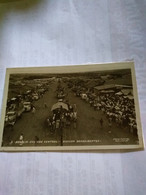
<point>82,107</point>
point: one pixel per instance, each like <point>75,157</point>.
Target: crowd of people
<point>118,109</point>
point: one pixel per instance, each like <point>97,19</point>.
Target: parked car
<point>84,96</point>
<point>41,91</point>
<point>10,118</point>
<point>35,96</point>
<point>27,106</point>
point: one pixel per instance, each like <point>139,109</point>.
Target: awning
<point>59,105</point>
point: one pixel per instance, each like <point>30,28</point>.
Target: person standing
<point>75,107</point>
<point>36,138</point>
<point>33,110</point>
<point>21,139</point>
<point>45,105</point>
<point>75,123</point>
<point>49,125</point>
<point>57,124</point>
<point>53,125</point>
<point>110,125</point>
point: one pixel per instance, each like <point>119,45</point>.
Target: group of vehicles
<point>89,97</point>
<point>13,114</point>
<point>19,104</point>
<point>63,114</point>
<point>60,92</point>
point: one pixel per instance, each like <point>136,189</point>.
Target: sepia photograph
<point>85,107</point>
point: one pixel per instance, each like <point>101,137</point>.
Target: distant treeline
<point>94,74</point>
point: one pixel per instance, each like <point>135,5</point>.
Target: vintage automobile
<point>83,96</point>
<point>35,96</point>
<point>10,118</point>
<point>41,91</point>
<point>27,106</point>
